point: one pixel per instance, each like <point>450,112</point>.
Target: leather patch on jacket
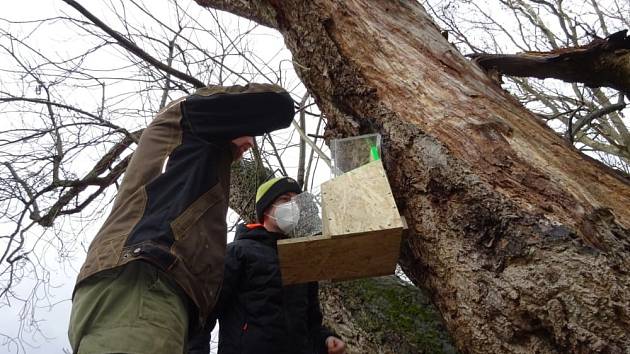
<point>182,223</point>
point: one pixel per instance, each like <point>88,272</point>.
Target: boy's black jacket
<point>256,313</point>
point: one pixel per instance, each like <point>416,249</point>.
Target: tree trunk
<point>522,242</point>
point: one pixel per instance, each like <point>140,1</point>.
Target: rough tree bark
<point>246,176</point>
<point>522,242</point>
<point>603,62</point>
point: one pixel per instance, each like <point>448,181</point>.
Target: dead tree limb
<point>604,62</point>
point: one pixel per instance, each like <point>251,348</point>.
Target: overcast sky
<point>55,318</point>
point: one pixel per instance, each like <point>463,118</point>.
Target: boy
<point>256,313</point>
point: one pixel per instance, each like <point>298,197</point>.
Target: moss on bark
<point>399,317</point>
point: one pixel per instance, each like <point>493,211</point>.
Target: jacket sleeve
<point>231,277</point>
<point>255,110</point>
<point>199,341</point>
<point>317,331</point>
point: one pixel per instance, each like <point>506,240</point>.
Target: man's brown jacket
<point>171,206</point>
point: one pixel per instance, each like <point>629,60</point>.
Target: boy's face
<point>269,222</point>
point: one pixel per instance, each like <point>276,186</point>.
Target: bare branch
<point>587,119</point>
<point>600,63</point>
<point>302,152</point>
<point>319,152</point>
<point>130,46</point>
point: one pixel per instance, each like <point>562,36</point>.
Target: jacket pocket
<point>191,215</point>
<point>160,303</point>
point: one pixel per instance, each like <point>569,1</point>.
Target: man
<point>156,264</point>
<point>256,313</point>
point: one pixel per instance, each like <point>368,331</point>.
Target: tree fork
<point>522,241</point>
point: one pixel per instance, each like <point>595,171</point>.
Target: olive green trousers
<point>135,309</point>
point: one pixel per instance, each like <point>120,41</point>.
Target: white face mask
<point>286,216</point>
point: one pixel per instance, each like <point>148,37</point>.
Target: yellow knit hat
<point>272,189</point>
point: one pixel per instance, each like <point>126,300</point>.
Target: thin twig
<point>130,46</point>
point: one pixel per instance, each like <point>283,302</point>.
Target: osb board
<point>359,201</point>
<point>342,257</point>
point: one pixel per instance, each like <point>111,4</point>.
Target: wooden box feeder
<point>361,230</point>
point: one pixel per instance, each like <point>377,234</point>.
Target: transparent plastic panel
<point>350,153</point>
<point>310,222</point>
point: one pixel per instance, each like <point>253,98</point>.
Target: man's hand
<point>240,145</point>
<point>335,345</point>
